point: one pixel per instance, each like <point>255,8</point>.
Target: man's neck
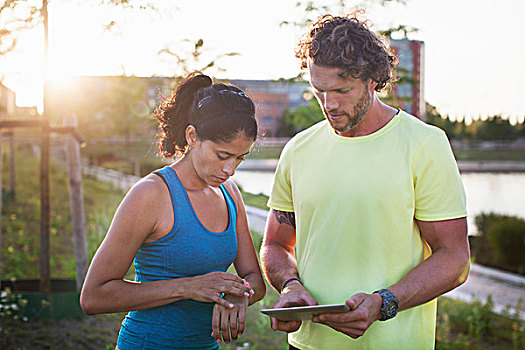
<point>378,115</point>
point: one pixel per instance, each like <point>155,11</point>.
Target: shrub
<point>500,242</point>
<point>507,239</point>
<point>462,325</point>
<point>483,221</point>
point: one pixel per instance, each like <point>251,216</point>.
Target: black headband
<point>210,116</point>
<point>225,91</point>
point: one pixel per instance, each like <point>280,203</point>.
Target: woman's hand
<point>210,287</point>
<point>228,323</point>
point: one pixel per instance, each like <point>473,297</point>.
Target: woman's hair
<point>219,113</point>
<point>347,43</point>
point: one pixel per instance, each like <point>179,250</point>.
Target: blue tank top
<point>189,249</point>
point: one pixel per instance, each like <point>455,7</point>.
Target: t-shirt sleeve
<point>281,195</point>
<point>439,192</point>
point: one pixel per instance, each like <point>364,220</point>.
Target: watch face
<point>390,305</point>
<point>391,308</point>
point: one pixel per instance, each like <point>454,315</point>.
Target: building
<point>91,97</point>
<point>272,99</point>
<point>408,93</point>
<point>7,101</point>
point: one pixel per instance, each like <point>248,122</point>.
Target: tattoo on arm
<point>285,217</point>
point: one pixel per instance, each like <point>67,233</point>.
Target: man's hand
<point>365,309</point>
<point>293,295</point>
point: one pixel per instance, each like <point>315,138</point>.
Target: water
<point>502,193</point>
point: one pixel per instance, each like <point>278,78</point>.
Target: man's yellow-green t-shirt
<point>355,200</point>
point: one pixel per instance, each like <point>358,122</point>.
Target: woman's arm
<point>136,220</point>
<point>229,324</point>
<point>246,262</point>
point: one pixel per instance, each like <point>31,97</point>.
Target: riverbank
<point>491,167</point>
<point>464,166</point>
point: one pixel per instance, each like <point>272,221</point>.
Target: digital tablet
<point>298,313</point>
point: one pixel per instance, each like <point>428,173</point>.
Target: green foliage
<point>484,220</point>
<point>21,227</point>
<point>451,128</point>
<point>300,118</point>
<point>105,106</point>
<point>500,243</point>
<point>473,325</point>
<point>507,238</point>
<point>484,154</point>
<point>473,319</point>
<point>494,128</point>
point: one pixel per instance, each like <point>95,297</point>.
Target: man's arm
<point>277,250</point>
<point>444,270</point>
<point>279,264</point>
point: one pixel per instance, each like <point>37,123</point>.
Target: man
<point>367,206</point>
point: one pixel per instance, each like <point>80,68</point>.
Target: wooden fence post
<point>45,272</point>
<point>76,196</point>
<point>12,176</point>
<point>1,260</point>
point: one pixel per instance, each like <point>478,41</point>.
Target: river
<point>502,193</point>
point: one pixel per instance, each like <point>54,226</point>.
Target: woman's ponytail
<point>172,115</point>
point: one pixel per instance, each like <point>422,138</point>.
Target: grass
<point>90,332</point>
<point>20,220</point>
<point>265,152</point>
<point>493,155</point>
<point>255,200</point>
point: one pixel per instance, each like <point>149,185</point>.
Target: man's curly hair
<point>347,43</point>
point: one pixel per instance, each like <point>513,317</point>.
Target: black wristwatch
<point>390,305</point>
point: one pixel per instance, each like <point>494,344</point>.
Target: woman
<point>183,226</point>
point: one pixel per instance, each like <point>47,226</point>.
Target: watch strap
<point>389,306</point>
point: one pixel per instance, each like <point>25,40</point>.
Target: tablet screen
<point>304,312</point>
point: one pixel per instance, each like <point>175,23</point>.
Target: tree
<point>520,129</point>
<point>105,106</point>
<point>300,118</point>
<point>19,15</point>
<point>188,61</point>
<point>444,123</point>
<point>494,128</point>
<point>15,16</point>
<point>310,11</point>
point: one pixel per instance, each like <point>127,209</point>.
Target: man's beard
<point>360,109</point>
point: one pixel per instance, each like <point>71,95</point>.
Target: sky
<point>474,49</point>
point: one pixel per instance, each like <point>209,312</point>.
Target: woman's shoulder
<point>231,186</point>
<point>139,213</point>
<point>233,190</point>
<point>148,189</point>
